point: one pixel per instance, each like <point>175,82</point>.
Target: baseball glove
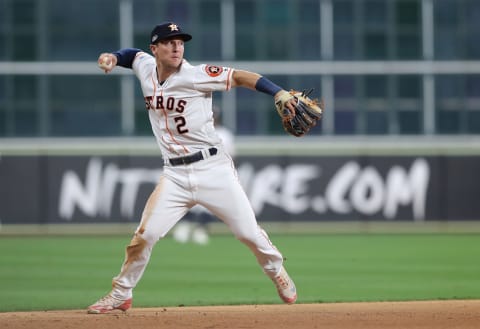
<point>306,115</point>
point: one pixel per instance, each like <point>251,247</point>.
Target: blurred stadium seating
<point>396,67</point>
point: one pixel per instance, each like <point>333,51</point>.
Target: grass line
<point>70,272</point>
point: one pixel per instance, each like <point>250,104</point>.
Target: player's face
<point>169,52</point>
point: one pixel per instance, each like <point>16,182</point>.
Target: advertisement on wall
<point>88,189</point>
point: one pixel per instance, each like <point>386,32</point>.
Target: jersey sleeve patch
<point>213,71</point>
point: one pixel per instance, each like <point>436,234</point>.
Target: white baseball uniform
<point>228,145</point>
<point>180,112</point>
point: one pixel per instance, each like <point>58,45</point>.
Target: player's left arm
<point>255,81</point>
<point>245,79</point>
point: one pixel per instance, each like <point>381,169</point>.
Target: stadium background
<point>401,80</point>
<point>384,67</point>
<point>397,151</point>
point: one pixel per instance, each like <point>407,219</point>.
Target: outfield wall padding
<point>113,188</point>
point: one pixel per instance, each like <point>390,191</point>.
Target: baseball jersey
<point>180,108</point>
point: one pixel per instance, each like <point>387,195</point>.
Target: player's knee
<point>136,248</point>
<point>149,238</point>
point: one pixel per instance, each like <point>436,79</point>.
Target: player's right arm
<point>123,57</point>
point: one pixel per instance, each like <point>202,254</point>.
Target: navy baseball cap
<point>168,30</point>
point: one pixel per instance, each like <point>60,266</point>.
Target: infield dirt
<point>418,314</point>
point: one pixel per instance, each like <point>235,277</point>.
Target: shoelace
<point>281,282</point>
<point>108,300</point>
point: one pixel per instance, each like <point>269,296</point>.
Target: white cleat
<point>181,232</point>
<point>108,304</point>
<point>285,286</point>
<point>200,236</point>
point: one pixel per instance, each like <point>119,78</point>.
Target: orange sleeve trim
<point>229,79</point>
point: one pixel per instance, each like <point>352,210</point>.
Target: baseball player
<point>194,226</point>
<point>197,170</point>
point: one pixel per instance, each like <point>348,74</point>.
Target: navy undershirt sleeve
<point>126,56</point>
<point>266,86</point>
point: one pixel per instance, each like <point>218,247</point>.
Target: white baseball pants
<point>211,182</point>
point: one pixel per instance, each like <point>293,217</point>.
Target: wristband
<point>266,86</point>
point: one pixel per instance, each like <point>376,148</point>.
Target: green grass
<point>42,273</point>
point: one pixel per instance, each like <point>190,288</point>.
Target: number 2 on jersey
<point>181,123</point>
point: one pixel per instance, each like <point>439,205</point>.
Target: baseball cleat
<point>285,286</point>
<point>200,236</point>
<point>108,304</point>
